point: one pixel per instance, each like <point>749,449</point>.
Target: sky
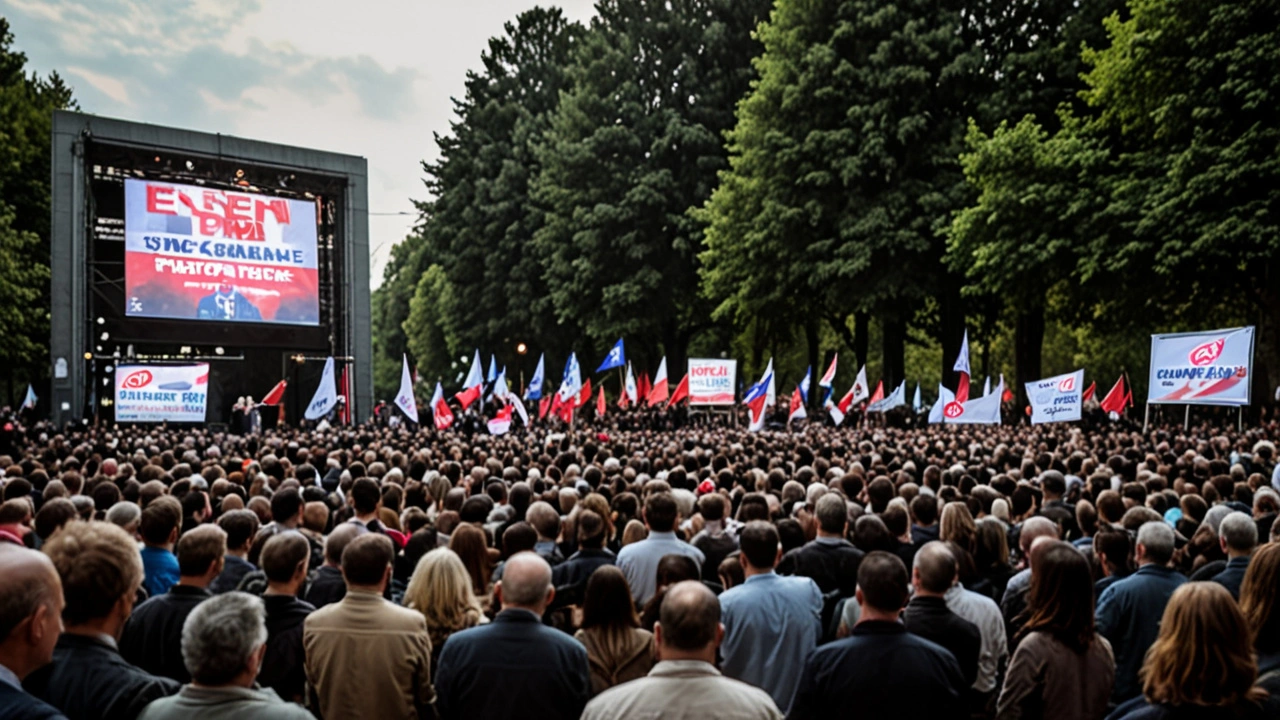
<point>372,78</point>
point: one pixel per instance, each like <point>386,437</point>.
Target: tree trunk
<point>1028,346</point>
<point>811,337</point>
<point>895,340</point>
<point>952,312</point>
<point>861,337</point>
<point>1267,348</point>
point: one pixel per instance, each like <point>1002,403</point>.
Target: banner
<point>159,393</point>
<point>1056,399</point>
<point>979,411</point>
<point>1206,368</point>
<point>208,254</point>
<point>712,382</point>
<point>897,398</point>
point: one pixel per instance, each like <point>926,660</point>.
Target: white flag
<point>773,386</point>
<point>519,406</point>
<point>860,389</point>
<point>405,400</point>
<point>326,397</point>
<point>631,385</point>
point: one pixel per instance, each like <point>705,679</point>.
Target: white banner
<point>159,393</point>
<point>712,382</point>
<point>979,411</point>
<point>1056,399</point>
<point>1206,368</point>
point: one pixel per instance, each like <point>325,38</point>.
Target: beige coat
<point>615,660</point>
<point>683,690</point>
<point>367,657</point>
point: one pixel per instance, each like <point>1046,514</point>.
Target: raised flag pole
<point>1186,419</point>
<point>1146,418</point>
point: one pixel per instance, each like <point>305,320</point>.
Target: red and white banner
<point>1207,368</point>
<point>162,393</point>
<point>712,382</point>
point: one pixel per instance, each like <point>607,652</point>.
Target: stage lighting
<point>98,348</point>
<point>190,166</point>
<point>102,321</point>
<point>218,351</point>
<point>109,368</point>
<point>184,350</point>
<point>106,337</point>
<point>157,158</point>
<point>522,348</point>
<point>239,173</point>
<point>88,356</point>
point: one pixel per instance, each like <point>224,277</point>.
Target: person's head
<point>924,510</point>
<point>833,515</point>
<point>1060,601</point>
<point>934,569</point>
<point>1238,534</point>
<point>1113,548</point>
<point>53,515</point>
<point>200,554</point>
<point>161,520</point>
<point>730,572</point>
<point>224,639</point>
<point>660,512</point>
<point>882,584</point>
<point>1035,528</point>
<point>101,570</point>
<point>30,610</point>
<point>1260,598</point>
<point>634,532</point>
<point>284,560</point>
<point>338,540</point>
<point>366,562</point>
<point>1203,655</point>
<point>760,546</point>
<point>957,526</point>
<point>286,507</point>
<point>591,530</point>
<point>544,519</point>
<point>526,583</point>
<point>440,589</point>
<point>240,526</point>
<point>1155,544</point>
<point>366,498</point>
<point>711,507</point>
<point>470,543</point>
<point>688,626</point>
<point>607,602</point>
<point>127,515</point>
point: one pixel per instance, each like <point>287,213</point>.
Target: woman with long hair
<point>617,649</point>
<point>440,588</point>
<point>1202,664</point>
<point>472,547</point>
<point>991,556</point>
<point>957,526</point>
<point>1062,668</point>
<point>1260,605</point>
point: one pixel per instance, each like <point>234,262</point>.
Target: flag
<point>1115,400</point>
<point>440,409</point>
<point>623,401</point>
<point>600,404</point>
<point>772,390</point>
<point>501,423</point>
<point>1089,391</point>
<point>681,393</point>
<point>534,391</point>
<point>829,377</point>
<point>658,392</point>
<point>273,398</point>
<point>897,398</point>
<point>519,406</point>
<point>878,395</point>
<point>979,411</point>
<point>405,400</point>
<point>616,358</point>
<point>859,392</point>
<point>29,402</point>
<point>797,405</point>
<point>916,404</point>
<point>833,408</point>
<point>643,387</point>
<point>468,396</point>
<point>500,389</point>
<point>571,382</point>
<point>326,397</point>
<point>804,384</point>
<point>544,406</point>
<point>962,367</point>
<point>986,386</point>
<point>632,393</point>
<point>584,397</point>
<point>1008,394</point>
<point>475,376</point>
<point>493,369</point>
<point>757,399</point>
<point>937,413</point>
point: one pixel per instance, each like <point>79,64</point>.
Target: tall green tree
<point>634,145</point>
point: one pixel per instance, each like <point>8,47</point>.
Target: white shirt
<point>983,612</point>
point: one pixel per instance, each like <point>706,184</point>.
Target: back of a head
<point>199,548</point>
<point>1239,531</point>
<point>338,540</point>
<point>366,559</point>
<point>544,519</point>
<point>286,504</point>
<point>660,512</point>
<point>924,509</point>
<point>882,578</point>
<point>240,526</point>
<point>689,616</point>
<point>526,580</point>
<point>1061,595</point>
<point>758,542</point>
<point>219,636</point>
<point>711,507</point>
<point>833,514</point>
<point>1157,541</point>
<point>31,581</point>
<point>99,564</point>
<point>607,601</point>
<point>935,566</point>
<point>440,589</point>
<point>1260,598</point>
<point>1036,527</point>
<point>518,538</point>
<point>1203,655</point>
<point>590,529</point>
<point>282,555</point>
<point>365,495</point>
<point>159,519</point>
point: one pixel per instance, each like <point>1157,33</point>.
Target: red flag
<point>1089,391</point>
<point>584,397</point>
<point>443,415</point>
<point>878,395</point>
<point>681,393</point>
<point>643,388</point>
<point>556,402</point>
<point>623,400</point>
<point>468,396</point>
<point>565,409</point>
<point>276,395</point>
<point>600,404</point>
<point>797,406</point>
<point>962,390</point>
<point>543,406</point>
<point>658,392</point>
<point>1115,400</point>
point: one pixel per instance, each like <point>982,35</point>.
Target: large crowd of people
<point>642,569</point>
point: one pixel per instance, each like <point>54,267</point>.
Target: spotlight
<point>88,356</point>
<point>157,158</point>
<point>109,368</point>
<point>190,166</point>
<point>218,351</point>
<point>239,173</point>
<point>102,321</point>
<point>98,348</point>
<point>184,350</point>
<point>106,336</point>
<point>522,348</point>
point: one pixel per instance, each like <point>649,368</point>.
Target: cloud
<point>109,86</point>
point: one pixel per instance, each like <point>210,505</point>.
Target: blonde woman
<point>441,590</point>
<point>957,526</point>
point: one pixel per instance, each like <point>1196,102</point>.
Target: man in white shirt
<point>639,561</point>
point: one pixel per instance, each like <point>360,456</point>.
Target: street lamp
<point>521,349</point>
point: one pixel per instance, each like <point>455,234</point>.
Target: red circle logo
<point>136,380</point>
<point>953,410</point>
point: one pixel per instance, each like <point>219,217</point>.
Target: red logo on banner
<point>1205,354</point>
<point>953,410</point>
<point>1068,384</point>
<point>139,379</point>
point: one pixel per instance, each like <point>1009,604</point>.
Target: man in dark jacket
<point>934,572</point>
<point>240,526</point>
<point>327,586</point>
<point>101,571</point>
<point>284,560</point>
<point>924,515</point>
<point>591,553</point>
<point>287,509</point>
<point>880,669</point>
<point>1238,535</point>
<point>542,673</point>
<point>152,638</point>
<point>830,560</point>
<point>29,625</point>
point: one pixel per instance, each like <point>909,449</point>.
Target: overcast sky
<point>366,77</point>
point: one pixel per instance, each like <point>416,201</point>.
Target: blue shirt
<point>160,568</point>
<point>639,562</point>
<point>1128,615</point>
<point>771,624</point>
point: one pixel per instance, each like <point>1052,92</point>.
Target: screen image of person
<point>226,303</point>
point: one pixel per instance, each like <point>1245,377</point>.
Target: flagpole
<point>1146,418</point>
<point>1186,420</point>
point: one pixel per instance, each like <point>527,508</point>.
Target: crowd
<point>640,571</point>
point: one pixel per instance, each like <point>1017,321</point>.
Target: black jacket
<point>327,587</point>
<point>152,637</point>
<point>831,563</point>
<point>282,666</point>
<point>880,671</point>
<point>578,568</point>
<point>88,680</point>
<point>542,672</point>
<point>931,619</point>
<point>18,705</point>
<point>233,570</point>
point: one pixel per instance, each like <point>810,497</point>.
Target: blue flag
<point>534,391</point>
<point>804,384</point>
<point>616,358</point>
<point>493,369</point>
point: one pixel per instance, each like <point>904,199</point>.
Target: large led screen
<point>210,254</point>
